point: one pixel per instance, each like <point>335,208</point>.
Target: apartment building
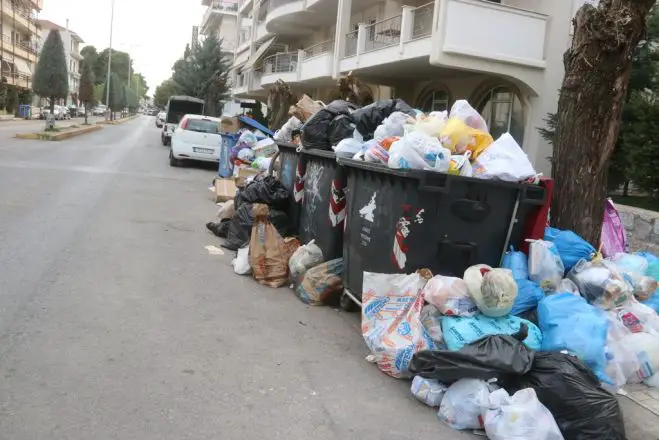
<point>72,45</point>
<point>19,33</point>
<point>504,56</point>
<point>220,19</point>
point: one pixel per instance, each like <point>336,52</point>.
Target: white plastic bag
<point>348,147</point>
<point>432,125</point>
<point>393,125</point>
<point>493,290</point>
<point>416,151</point>
<point>630,263</point>
<point>462,110</point>
<point>391,320</point>
<point>503,160</point>
<point>621,359</point>
<point>450,295</point>
<point>462,403</point>
<point>285,134</point>
<point>545,265</point>
<point>520,417</point>
<point>226,210</point>
<point>430,318</point>
<point>567,286</point>
<point>600,283</point>
<point>241,262</point>
<point>304,258</point>
<point>428,391</point>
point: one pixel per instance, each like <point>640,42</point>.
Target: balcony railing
<point>284,62</point>
<point>351,43</point>
<point>225,5</point>
<point>15,75</point>
<point>319,49</point>
<point>25,45</point>
<point>422,21</point>
<point>25,13</point>
<point>383,33</point>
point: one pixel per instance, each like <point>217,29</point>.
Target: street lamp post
<point>107,80</point>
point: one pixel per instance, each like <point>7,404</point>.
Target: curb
<point>58,136</point>
<point>117,121</point>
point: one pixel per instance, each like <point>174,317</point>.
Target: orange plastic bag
<point>268,251</point>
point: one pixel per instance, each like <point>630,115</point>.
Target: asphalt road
<point>116,323</point>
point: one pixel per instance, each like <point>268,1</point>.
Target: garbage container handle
<point>435,182</point>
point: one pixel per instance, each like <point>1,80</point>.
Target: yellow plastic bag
<point>459,138</point>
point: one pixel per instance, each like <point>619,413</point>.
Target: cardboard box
<point>225,189</point>
<point>229,125</point>
<point>242,173</point>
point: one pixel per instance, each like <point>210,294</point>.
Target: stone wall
<point>642,228</point>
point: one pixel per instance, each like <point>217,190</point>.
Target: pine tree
<point>51,76</point>
<point>87,85</point>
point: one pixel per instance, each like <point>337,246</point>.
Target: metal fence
<point>319,49</point>
<point>422,21</point>
<point>351,43</point>
<point>383,33</point>
<point>225,6</point>
<point>280,63</point>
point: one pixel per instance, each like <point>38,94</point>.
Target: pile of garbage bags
<point>391,133</point>
<point>534,349</point>
<point>252,151</point>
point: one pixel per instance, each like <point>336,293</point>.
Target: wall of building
<point>642,228</point>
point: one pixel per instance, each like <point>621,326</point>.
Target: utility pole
<point>107,80</point>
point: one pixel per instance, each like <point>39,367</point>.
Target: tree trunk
<point>625,188</point>
<point>52,105</point>
<point>597,68</point>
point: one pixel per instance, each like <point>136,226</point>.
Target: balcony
<point>24,18</point>
<point>242,5</point>
<point>317,62</point>
<point>25,49</point>
<point>19,79</point>
<point>496,33</point>
<point>240,86</point>
<point>280,66</point>
<point>212,16</point>
<point>261,31</point>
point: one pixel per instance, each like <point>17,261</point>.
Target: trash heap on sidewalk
<point>534,349</point>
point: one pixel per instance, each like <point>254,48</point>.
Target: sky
<point>155,32</point>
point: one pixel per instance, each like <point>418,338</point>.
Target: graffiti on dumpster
<point>298,186</point>
<point>368,214</point>
<point>410,216</point>
<point>337,205</point>
<point>312,193</point>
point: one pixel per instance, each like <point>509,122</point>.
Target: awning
<point>22,66</point>
<point>259,53</point>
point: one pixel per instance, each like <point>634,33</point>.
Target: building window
<point>503,111</point>
<point>436,101</point>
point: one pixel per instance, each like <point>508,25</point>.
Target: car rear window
<point>203,126</point>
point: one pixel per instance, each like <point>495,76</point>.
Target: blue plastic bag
<point>569,323</point>
<point>517,262</point>
<point>459,331</point>
<point>528,296</point>
<point>651,258</point>
<point>571,247</point>
<point>653,302</point>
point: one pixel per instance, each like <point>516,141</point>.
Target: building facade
<point>72,45</point>
<point>504,56</point>
<point>19,39</point>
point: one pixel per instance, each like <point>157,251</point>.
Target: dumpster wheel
<point>348,302</point>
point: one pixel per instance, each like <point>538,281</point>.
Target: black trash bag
<point>368,118</point>
<point>341,127</point>
<point>530,315</point>
<point>268,190</point>
<point>220,228</point>
<point>582,409</point>
<point>240,226</point>
<point>497,356</point>
<point>315,132</point>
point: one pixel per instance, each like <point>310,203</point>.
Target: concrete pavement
<point>115,323</point>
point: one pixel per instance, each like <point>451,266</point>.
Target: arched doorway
<point>502,109</point>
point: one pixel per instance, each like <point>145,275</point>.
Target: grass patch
<point>642,202</point>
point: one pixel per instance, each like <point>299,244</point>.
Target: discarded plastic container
<point>323,207</point>
<point>225,168</point>
<point>290,175</point>
<point>400,221</point>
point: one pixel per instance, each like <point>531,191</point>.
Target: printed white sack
<point>520,417</point>
<point>429,391</point>
<point>450,295</point>
<point>462,403</point>
<point>391,320</point>
<point>503,160</point>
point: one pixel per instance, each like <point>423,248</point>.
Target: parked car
<point>177,107</point>
<point>99,110</point>
<point>197,138</point>
<point>59,112</point>
<point>160,119</point>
